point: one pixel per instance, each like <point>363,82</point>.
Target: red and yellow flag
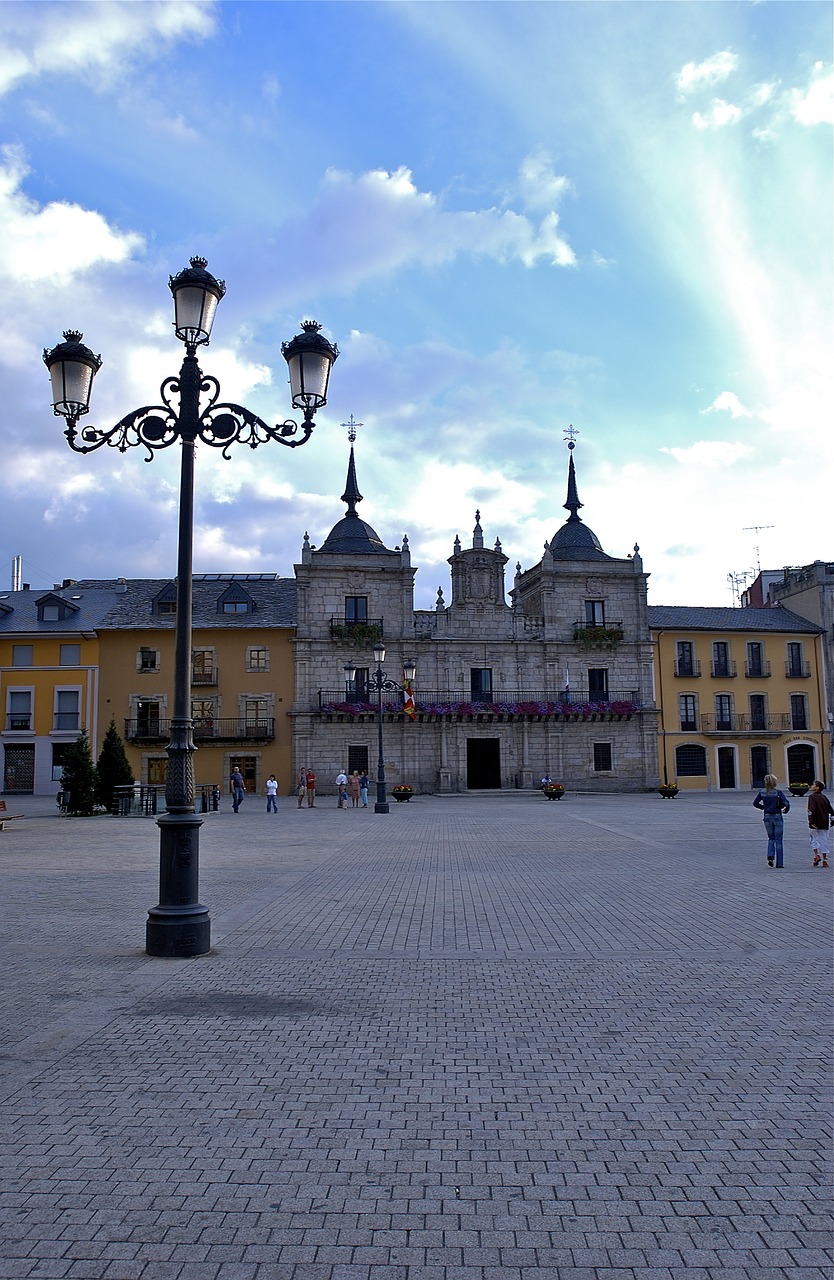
<point>408,699</point>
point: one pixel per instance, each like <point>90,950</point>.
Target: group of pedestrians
<point>353,788</point>
<point>775,804</point>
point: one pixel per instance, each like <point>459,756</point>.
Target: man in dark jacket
<point>819,820</point>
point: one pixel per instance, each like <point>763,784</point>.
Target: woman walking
<point>774,803</point>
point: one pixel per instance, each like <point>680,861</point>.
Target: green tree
<point>79,777</point>
<point>113,767</point>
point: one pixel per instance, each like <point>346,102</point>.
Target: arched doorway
<point>801,762</point>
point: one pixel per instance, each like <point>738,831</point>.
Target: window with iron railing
<point>723,711</point>
<point>688,708</point>
<point>722,665</point>
<point>758,711</point>
<point>19,709</point>
<point>799,711</point>
<point>685,664</point>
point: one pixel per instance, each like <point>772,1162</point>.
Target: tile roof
<point>692,618</point>
<point>90,602</point>
<point>113,603</point>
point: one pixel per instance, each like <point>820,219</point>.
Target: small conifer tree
<point>113,767</point>
<point>79,777</point>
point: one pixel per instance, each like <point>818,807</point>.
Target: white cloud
<point>379,222</point>
<point>92,38</point>
<point>56,240</point>
<point>711,71</point>
<point>720,113</point>
<point>540,186</point>
<point>729,402</point>
<point>814,105</point>
<point>709,453</point>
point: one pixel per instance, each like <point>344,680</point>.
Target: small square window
<point>603,757</point>
<point>22,655</point>
<point>70,655</point>
<point>148,660</point>
<point>257,659</point>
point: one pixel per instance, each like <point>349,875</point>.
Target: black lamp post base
<point>381,808</point>
<point>178,936</point>
<point>179,925</point>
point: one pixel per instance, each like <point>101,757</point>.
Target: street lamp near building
<point>379,681</point>
<point>191,410</point>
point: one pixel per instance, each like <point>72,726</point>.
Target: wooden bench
<point>5,816</point>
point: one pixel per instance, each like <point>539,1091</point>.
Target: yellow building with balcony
<point>741,693</point>
<point>241,676</point>
<point>49,681</point>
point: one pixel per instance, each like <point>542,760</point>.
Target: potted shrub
<point>402,791</point>
<point>668,790</point>
<point>554,790</point>
<point>798,788</point>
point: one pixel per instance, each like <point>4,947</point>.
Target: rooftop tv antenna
<point>738,581</point>
<point>757,528</point>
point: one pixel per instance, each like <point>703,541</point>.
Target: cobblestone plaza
<point>492,1038</point>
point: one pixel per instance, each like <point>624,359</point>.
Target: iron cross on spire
<point>350,426</point>
<point>570,435</point>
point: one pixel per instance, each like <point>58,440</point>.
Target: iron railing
<point>499,702</point>
<point>797,670</point>
<point>205,676</point>
<point>234,729</point>
<point>145,800</point>
<point>778,722</point>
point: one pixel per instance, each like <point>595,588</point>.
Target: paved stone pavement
<point>482,1038</point>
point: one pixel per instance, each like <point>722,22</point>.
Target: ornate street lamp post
<point>180,925</point>
<point>379,681</point>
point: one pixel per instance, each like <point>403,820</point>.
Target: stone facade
<point>558,681</point>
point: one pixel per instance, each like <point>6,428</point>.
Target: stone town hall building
<point>558,681</point>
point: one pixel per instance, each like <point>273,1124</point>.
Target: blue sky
<point>511,218</point>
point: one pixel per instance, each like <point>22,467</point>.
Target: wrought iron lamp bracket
<point>219,425</point>
<point>222,425</point>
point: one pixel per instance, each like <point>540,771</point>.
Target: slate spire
<point>351,494</point>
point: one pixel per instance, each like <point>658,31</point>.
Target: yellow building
<point>241,676</point>
<point>49,681</point>
<point>741,693</point>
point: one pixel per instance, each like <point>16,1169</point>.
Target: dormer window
<point>235,600</point>
<point>53,608</point>
<point>165,602</point>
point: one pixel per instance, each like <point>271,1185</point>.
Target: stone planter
<point>798,788</point>
<point>402,793</point>
<point>554,792</point>
<point>668,791</point>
